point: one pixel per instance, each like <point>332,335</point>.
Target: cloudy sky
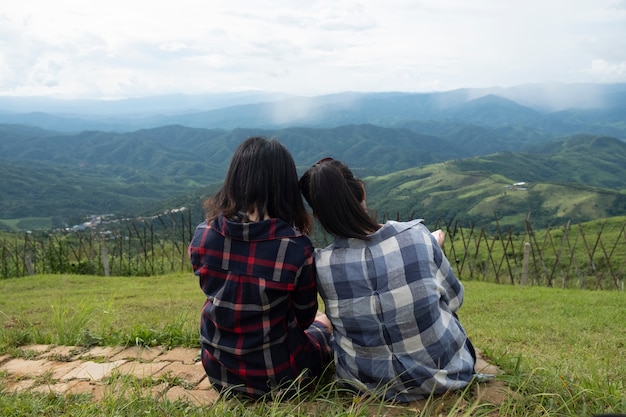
<point>132,48</point>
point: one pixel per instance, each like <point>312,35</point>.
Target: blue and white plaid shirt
<point>393,301</point>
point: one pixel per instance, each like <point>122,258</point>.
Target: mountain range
<point>557,108</point>
<point>436,155</point>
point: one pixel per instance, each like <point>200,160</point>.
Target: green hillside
<point>64,177</point>
<point>581,160</point>
<point>450,190</point>
<point>49,178</point>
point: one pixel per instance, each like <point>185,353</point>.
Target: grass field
<point>562,351</point>
<point>28,223</point>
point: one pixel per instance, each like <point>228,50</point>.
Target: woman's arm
<point>304,296</point>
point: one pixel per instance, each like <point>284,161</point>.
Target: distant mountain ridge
<point>554,107</point>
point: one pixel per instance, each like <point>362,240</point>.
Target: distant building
<point>518,186</point>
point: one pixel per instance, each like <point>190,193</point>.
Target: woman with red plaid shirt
<point>260,330</point>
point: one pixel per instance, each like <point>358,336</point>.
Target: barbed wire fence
<point>572,256</point>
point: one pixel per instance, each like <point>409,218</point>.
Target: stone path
<point>175,374</point>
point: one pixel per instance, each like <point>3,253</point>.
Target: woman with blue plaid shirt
<point>260,330</point>
<point>390,294</point>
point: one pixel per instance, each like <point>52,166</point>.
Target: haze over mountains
<point>60,160</point>
<point>555,106</point>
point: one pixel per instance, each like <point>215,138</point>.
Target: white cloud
<point>134,48</point>
<point>603,71</point>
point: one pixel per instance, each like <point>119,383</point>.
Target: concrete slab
<point>23,367</point>
<point>59,388</point>
<point>92,371</point>
<point>20,385</point>
<point>60,369</point>
<point>142,369</point>
<point>192,374</point>
<point>158,391</point>
<point>179,354</point>
<point>61,352</point>
<point>103,352</point>
<point>35,348</point>
<point>204,384</point>
<point>94,389</point>
<point>139,353</point>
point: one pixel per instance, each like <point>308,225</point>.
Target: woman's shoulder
<point>393,228</point>
<point>415,223</point>
<point>319,250</point>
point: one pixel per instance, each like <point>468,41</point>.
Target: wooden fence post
<point>105,260</point>
<point>28,261</point>
<point>525,263</point>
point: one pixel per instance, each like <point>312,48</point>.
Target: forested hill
<point>578,179</point>
<point>202,154</point>
<point>61,160</point>
<point>64,177</point>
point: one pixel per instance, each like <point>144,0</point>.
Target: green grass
<point>27,223</point>
<point>561,350</point>
<point>85,310</point>
<point>567,344</point>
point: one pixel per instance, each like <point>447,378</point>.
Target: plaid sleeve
<point>452,288</point>
<point>195,250</point>
<point>304,296</point>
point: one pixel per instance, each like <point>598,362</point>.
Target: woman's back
<point>259,282</point>
<point>260,329</point>
<point>392,300</point>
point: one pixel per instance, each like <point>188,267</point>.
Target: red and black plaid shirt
<point>259,281</point>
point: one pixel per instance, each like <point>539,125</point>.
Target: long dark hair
<point>262,177</point>
<point>335,196</point>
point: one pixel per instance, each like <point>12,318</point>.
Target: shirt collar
<point>273,228</point>
<point>389,229</point>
